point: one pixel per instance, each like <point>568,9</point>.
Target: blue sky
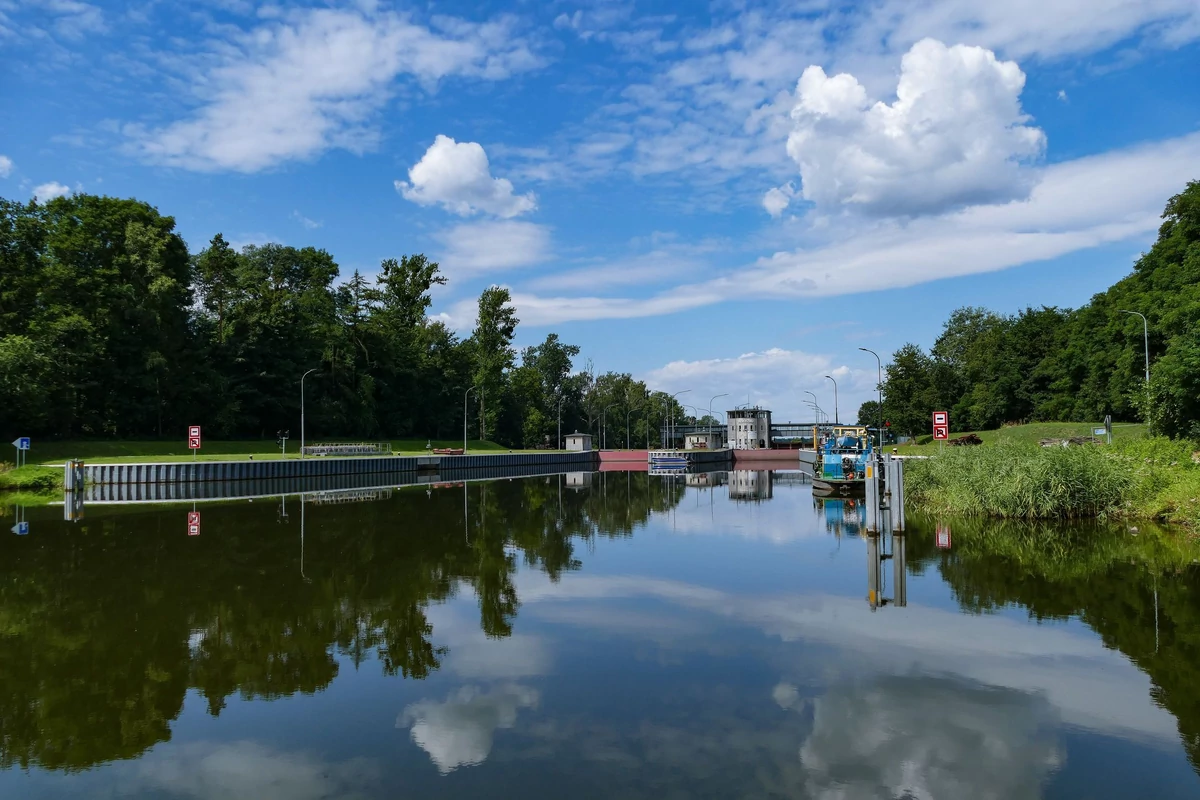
<point>722,197</point>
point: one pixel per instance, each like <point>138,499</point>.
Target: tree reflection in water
<point>107,623</point>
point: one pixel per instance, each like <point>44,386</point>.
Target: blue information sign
<point>22,443</point>
<point>21,528</point>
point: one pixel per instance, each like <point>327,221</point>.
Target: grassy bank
<point>1027,434</point>
<point>105,452</point>
<point>1150,478</point>
<point>33,478</point>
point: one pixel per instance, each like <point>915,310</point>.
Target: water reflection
<point>901,736</point>
<point>458,731</point>
<point>882,549</point>
<point>567,624</point>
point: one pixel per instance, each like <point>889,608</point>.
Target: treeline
<point>1042,364</point>
<point>109,327</point>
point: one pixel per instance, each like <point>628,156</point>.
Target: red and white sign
<point>193,523</point>
<point>941,425</point>
<point>943,537</point>
<point>194,437</point>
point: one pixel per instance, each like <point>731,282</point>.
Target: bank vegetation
<point>1148,478</point>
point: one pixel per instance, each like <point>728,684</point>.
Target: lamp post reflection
<point>302,575</point>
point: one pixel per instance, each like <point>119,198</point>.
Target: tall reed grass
<point>1021,481</point>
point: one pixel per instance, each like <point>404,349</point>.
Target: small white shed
<point>579,442</point>
<point>702,441</point>
<point>579,480</point>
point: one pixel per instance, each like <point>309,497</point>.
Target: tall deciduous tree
<point>491,344</point>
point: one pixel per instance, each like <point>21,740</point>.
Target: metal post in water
<point>900,570</point>
<point>873,571</point>
<point>896,487</point>
<point>872,499</point>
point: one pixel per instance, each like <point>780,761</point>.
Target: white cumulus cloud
<point>777,199</point>
<point>457,176</point>
<point>312,80</point>
<point>50,190</point>
<point>6,166</point>
<point>955,136</point>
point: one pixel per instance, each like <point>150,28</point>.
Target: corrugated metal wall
<point>213,471</point>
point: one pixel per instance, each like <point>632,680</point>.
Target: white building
<point>579,442</point>
<point>749,428</point>
<point>703,441</point>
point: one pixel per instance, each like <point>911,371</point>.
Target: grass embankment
<point>1152,478</point>
<point>33,485</point>
<point>1028,434</point>
<point>109,452</point>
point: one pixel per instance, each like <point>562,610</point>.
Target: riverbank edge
<point>1151,479</point>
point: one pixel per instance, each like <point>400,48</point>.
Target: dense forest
<point>1047,364</point>
<point>110,328</point>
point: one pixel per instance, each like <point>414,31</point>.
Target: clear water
<point>608,635</point>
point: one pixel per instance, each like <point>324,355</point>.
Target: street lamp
<point>671,410</point>
<point>558,443</point>
<point>836,421</point>
<point>604,426</point>
<point>1146,339</point>
<point>710,416</point>
<point>628,406</point>
<point>467,392</point>
<point>302,377</point>
<point>816,405</point>
<point>879,386</point>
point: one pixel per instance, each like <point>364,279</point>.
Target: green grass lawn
<point>1032,433</point>
<point>109,452</point>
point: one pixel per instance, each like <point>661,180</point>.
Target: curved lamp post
<point>1146,340</point>
<point>558,443</point>
<point>604,425</point>
<point>836,421</point>
<point>816,406</point>
<point>710,416</point>
<point>302,377</point>
<point>879,386</point>
<point>467,392</point>
<point>671,424</point>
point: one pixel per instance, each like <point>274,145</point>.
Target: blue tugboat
<point>845,454</point>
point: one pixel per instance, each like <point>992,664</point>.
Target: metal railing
<point>348,449</point>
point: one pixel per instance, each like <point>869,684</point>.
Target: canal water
<point>590,635</point>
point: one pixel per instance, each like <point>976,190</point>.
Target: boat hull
<point>826,487</point>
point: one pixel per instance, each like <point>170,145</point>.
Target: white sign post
<point>22,445</point>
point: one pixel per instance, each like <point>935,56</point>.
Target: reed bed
<point>1021,481</point>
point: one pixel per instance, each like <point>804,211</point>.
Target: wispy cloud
<point>310,224</point>
<point>315,79</point>
<point>1072,208</point>
<point>493,246</point>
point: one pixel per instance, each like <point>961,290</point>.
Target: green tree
<point>491,346</point>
